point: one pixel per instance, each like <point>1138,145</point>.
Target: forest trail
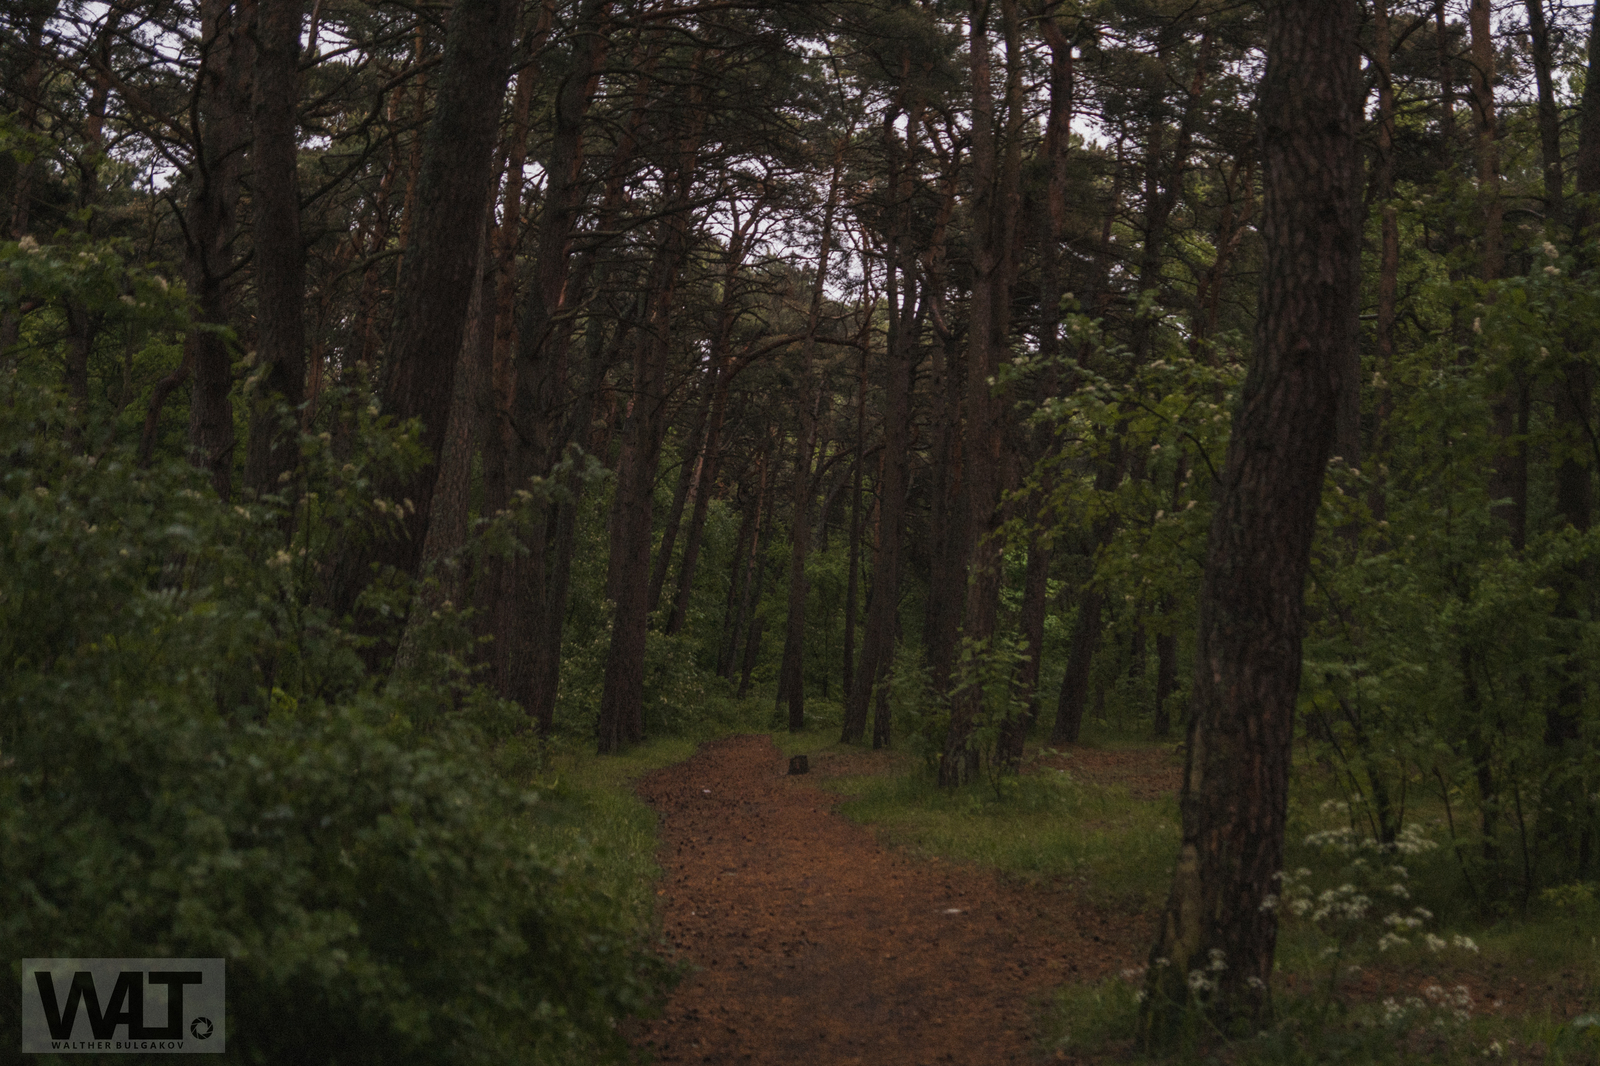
<point>813,943</point>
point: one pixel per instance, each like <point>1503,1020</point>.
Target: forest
<point>413,411</point>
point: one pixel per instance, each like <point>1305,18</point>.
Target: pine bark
<point>871,673</point>
<point>438,271</point>
<point>210,220</point>
<point>996,210</point>
<point>1571,810</point>
<point>1247,674</point>
<point>1389,245</point>
<point>279,257</point>
<point>621,719</point>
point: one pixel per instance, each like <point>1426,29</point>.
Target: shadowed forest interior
<point>403,403</point>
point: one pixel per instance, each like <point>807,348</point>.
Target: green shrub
<point>193,763</point>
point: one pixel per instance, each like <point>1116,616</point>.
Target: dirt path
<point>817,945</point>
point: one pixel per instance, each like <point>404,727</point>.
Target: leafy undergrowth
<point>1097,1022</point>
<point>601,817</point>
<point>1369,970</point>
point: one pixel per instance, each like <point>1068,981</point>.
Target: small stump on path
<point>798,764</point>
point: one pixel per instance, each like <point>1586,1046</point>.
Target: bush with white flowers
<point>1367,901</point>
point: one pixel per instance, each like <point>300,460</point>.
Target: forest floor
<point>809,941</point>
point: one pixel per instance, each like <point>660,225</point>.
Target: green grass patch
<point>594,816</point>
<point>1096,1018</point>
<point>1046,824</point>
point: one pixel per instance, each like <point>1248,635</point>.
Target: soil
<point>810,941</point>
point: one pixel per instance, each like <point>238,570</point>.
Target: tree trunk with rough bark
<point>1247,673</point>
<point>280,262</point>
<point>210,217</point>
<point>439,271</point>
<point>996,211</point>
<point>621,720</point>
<point>1572,810</point>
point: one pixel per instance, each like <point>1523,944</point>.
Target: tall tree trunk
<point>691,467</point>
<point>883,595</point>
<point>497,442</point>
<point>1509,479</point>
<point>947,512</point>
<point>441,567</point>
<point>751,606</point>
<point>1549,115</point>
<point>223,109</point>
<point>853,581</point>
<point>439,271</point>
<point>1389,253</point>
<point>621,721</point>
<point>441,260</point>
<point>1057,149</point>
<point>1572,810</point>
<point>711,452</point>
<point>373,243</point>
<point>791,680</point>
<point>280,265</point>
<point>531,608</point>
<point>84,324</point>
<point>495,582</point>
<point>745,563</point>
<point>1247,674</point>
<point>1074,697</point>
<point>996,210</point>
<point>791,670</point>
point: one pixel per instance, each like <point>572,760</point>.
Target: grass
<point>1047,824</point>
<point>592,815</point>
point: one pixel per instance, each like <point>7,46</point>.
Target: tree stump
<point>798,764</point>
